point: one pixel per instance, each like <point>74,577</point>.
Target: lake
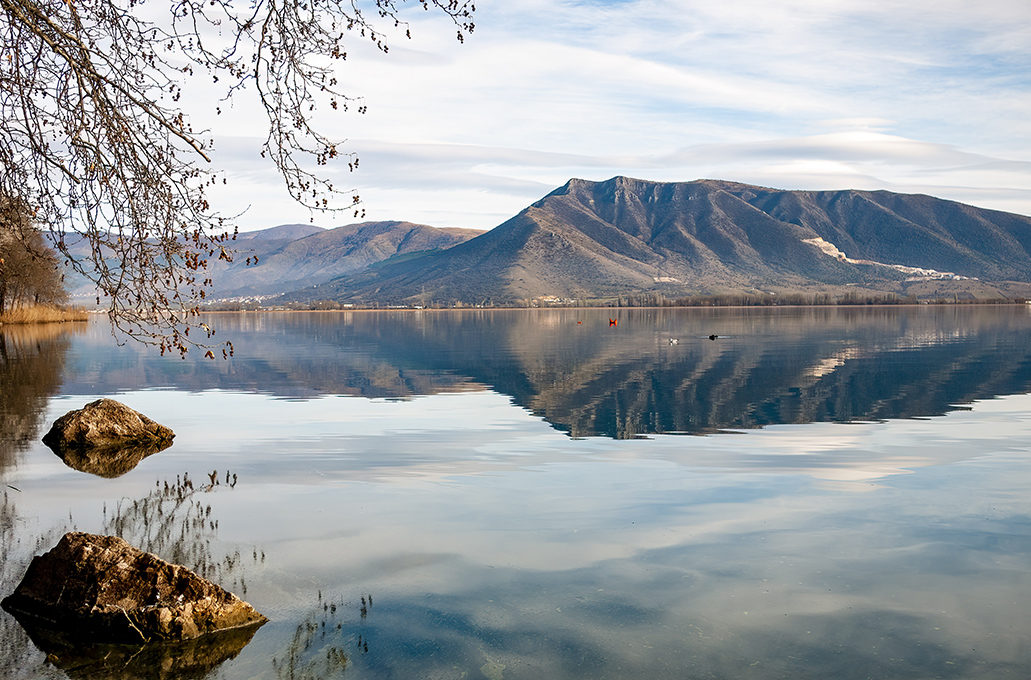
<point>814,493</point>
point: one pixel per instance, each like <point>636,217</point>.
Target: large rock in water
<point>106,438</point>
<point>101,589</point>
<point>104,422</point>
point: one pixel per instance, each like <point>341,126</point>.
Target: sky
<point>912,96</point>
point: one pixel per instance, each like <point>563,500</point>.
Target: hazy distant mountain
<point>623,236</point>
<point>294,256</point>
<point>284,232</point>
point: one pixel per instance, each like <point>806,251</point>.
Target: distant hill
<point>294,256</point>
<point>284,232</point>
<point>291,257</point>
<point>627,236</point>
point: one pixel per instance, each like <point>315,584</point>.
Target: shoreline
<point>478,308</point>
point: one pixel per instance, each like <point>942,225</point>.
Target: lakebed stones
<point>101,589</point>
<point>106,438</point>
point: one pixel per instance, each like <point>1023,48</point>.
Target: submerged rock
<point>101,589</point>
<point>106,438</point>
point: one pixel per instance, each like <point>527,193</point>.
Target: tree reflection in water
<point>316,650</point>
<point>32,361</point>
<point>176,524</point>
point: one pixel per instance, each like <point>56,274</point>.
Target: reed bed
<point>43,314</point>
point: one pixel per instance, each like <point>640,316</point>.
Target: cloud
<point>481,186</point>
<point>914,96</point>
<point>840,146</point>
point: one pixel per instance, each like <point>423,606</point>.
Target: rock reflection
<point>194,658</point>
<point>32,359</point>
<point>109,461</point>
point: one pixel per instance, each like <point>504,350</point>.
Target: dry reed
<point>43,314</point>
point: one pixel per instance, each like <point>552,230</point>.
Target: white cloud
<point>909,96</point>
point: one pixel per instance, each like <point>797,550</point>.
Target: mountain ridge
<point>628,236</point>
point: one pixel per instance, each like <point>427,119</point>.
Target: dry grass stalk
<point>43,314</point>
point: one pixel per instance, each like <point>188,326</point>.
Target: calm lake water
<point>816,493</point>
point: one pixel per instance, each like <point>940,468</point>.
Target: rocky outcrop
<point>106,438</point>
<point>101,589</point>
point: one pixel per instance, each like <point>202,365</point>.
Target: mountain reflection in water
<point>588,378</point>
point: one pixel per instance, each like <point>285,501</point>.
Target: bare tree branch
<point>95,139</point>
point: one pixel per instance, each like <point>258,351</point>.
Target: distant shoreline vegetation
<point>42,314</point>
<point>644,300</point>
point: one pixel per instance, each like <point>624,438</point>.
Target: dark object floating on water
<point>613,322</point>
<point>106,438</point>
<point>713,336</point>
<point>100,589</point>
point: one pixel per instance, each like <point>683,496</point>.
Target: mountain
<point>628,236</point>
<point>292,257</point>
<point>289,257</point>
<point>284,232</point>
